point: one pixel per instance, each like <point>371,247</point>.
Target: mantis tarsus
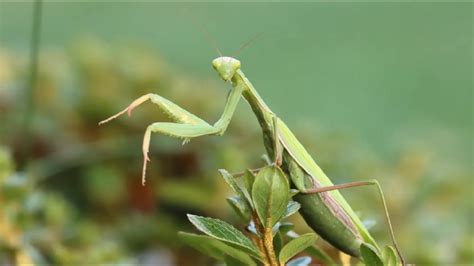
<point>322,206</point>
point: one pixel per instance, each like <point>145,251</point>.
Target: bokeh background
<point>374,90</point>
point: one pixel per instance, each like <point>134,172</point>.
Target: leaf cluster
<point>263,201</point>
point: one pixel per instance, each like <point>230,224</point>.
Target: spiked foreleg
<point>175,112</point>
<point>188,125</point>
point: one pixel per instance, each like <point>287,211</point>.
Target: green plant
<point>263,201</point>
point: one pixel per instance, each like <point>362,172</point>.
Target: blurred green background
<point>375,90</point>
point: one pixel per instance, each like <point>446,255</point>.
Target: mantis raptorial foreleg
<point>188,125</point>
<point>175,112</point>
<point>176,130</point>
<point>358,184</point>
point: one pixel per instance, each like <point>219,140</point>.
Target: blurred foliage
<point>80,199</point>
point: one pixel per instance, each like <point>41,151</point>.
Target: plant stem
<point>265,241</point>
<point>30,94</point>
<point>268,243</point>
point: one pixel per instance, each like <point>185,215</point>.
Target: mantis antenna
<point>211,40</point>
<point>208,37</point>
<point>247,43</point>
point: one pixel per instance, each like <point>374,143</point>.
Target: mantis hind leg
<point>358,184</point>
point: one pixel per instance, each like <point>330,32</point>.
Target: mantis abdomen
<point>322,213</point>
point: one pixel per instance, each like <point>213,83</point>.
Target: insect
<point>322,206</point>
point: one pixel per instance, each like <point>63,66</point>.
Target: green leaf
<point>301,261</point>
<point>266,159</point>
<point>320,254</point>
<point>230,261</point>
<point>229,179</point>
<point>389,256</point>
<point>270,194</point>
<point>312,250</point>
<point>225,232</point>
<point>285,227</point>
<point>369,255</point>
<point>292,207</point>
<point>275,228</point>
<point>248,179</point>
<point>204,244</point>
<point>239,207</point>
<point>277,243</point>
<point>295,246</point>
<point>214,248</point>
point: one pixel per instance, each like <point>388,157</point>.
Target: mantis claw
<point>136,103</point>
<point>146,158</point>
<point>146,145</point>
<point>127,110</point>
<point>144,173</point>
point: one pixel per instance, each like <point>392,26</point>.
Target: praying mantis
<point>322,206</point>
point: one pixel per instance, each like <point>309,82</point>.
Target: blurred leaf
<point>56,210</point>
<point>270,194</point>
<point>389,256</point>
<point>33,254</point>
<point>369,255</point>
<point>104,186</point>
<point>215,248</point>
<point>14,187</point>
<point>292,207</point>
<point>230,261</point>
<point>301,261</point>
<point>6,163</point>
<point>225,232</point>
<point>295,246</point>
<point>239,207</point>
<point>369,223</point>
<point>197,197</point>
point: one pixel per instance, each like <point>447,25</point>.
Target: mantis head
<point>226,66</point>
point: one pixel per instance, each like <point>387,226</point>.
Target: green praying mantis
<point>322,206</point>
